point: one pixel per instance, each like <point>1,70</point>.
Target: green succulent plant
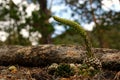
<point>79,29</point>
<point>91,59</point>
<point>64,70</point>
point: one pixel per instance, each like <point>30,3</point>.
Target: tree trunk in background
<point>46,27</point>
<point>99,32</point>
<point>102,42</point>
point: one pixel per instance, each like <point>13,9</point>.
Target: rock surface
<point>44,55</point>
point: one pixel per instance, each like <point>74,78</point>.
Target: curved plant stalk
<point>80,30</point>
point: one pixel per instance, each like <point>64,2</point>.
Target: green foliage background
<point>106,32</point>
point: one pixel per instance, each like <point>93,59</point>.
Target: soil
<point>37,73</point>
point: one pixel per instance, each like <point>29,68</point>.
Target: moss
<point>86,70</point>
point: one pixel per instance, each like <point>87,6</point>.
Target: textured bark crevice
<point>44,55</point>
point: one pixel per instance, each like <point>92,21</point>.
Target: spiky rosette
<point>93,61</point>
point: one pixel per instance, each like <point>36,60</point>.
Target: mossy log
<point>44,55</point>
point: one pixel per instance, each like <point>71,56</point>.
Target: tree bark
<point>45,25</point>
<point>44,55</point>
<point>100,32</point>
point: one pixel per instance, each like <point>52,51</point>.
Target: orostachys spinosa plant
<point>91,60</point>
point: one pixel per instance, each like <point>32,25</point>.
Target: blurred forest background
<point>17,28</point>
